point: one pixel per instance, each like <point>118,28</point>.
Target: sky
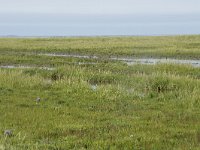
<point>39,15</point>
<point>100,6</point>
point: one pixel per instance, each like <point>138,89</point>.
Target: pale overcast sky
<point>100,6</point>
<point>99,17</point>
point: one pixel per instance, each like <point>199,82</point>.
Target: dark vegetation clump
<point>57,75</point>
<point>161,84</point>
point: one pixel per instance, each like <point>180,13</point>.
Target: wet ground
<point>25,67</point>
<point>131,61</point>
<point>128,61</point>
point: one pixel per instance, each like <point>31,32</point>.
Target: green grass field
<point>103,105</point>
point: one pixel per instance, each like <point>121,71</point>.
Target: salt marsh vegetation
<point>96,102</point>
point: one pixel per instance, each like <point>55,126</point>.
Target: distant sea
<point>98,25</point>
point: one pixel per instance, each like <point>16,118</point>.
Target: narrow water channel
<point>131,61</point>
